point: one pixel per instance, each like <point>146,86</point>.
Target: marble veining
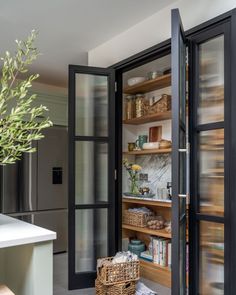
<point>158,168</point>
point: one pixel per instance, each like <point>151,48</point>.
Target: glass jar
<point>141,105</point>
<point>129,107</point>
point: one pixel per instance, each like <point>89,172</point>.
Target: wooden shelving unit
<point>149,118</point>
<point>159,233</point>
<point>151,202</point>
<point>149,270</point>
<point>156,273</point>
<point>149,85</point>
<point>148,152</point>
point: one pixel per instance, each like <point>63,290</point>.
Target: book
<point>161,251</point>
<point>163,256</point>
<point>155,250</point>
<point>146,255</point>
<point>169,254</point>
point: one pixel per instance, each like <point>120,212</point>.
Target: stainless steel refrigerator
<point>35,188</point>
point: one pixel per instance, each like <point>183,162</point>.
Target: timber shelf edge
<point>151,202</point>
<point>149,85</point>
<point>148,152</point>
<point>145,230</point>
<point>162,116</point>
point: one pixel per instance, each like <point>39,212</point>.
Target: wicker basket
<point>117,289</point>
<point>162,105</point>
<point>110,274</point>
<point>135,218</point>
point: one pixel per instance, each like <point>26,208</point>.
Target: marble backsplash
<point>158,168</point>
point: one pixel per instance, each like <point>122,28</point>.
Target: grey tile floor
<point>60,280</point>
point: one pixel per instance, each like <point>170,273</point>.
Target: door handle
<point>182,196</point>
<point>186,150</point>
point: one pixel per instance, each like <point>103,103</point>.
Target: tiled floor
<point>60,280</point>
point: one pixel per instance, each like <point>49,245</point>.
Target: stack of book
<point>159,252</point>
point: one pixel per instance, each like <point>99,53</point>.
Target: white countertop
<point>14,232</point>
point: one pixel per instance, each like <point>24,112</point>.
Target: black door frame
<point>179,159</point>
<point>222,28</point>
<point>87,279</point>
<point>148,55</point>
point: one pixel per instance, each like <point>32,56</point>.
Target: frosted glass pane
<point>91,233</point>
<point>211,81</point>
<point>211,271</point>
<point>91,105</point>
<point>91,178</point>
<point>211,169</point>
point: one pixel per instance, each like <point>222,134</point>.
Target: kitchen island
<point>26,257</point>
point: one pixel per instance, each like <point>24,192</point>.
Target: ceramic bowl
<point>135,80</point>
<point>165,144</point>
<point>151,145</point>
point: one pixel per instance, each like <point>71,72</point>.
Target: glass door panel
<point>91,105</point>
<point>211,258</point>
<point>211,172</point>
<point>91,172</point>
<point>179,151</point>
<point>211,81</point>
<point>91,230</point>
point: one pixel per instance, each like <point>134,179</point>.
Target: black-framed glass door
<point>91,171</point>
<point>210,198</point>
<point>179,154</point>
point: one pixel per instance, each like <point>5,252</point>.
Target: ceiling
<point>68,29</point>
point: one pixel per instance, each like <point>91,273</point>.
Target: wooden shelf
<point>149,85</point>
<point>150,202</point>
<point>149,118</point>
<point>148,152</point>
<point>156,273</point>
<point>144,262</point>
<point>159,233</point>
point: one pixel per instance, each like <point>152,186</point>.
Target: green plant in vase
<point>133,170</point>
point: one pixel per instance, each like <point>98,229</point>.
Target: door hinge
<point>115,86</point>
<point>186,58</point>
<point>115,174</point>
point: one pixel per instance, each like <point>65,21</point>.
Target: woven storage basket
<point>128,288</point>
<point>135,218</point>
<point>118,273</point>
<point>163,105</point>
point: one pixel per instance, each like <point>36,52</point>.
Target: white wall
<point>156,29</point>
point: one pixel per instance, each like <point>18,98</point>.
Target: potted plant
<point>19,118</point>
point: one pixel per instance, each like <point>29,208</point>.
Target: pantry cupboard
<point>152,161</point>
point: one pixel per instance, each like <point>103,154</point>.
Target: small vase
<point>134,187</point>
<point>136,247</point>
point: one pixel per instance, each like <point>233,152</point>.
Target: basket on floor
<point>109,273</point>
<point>136,218</point>
<point>117,289</point>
